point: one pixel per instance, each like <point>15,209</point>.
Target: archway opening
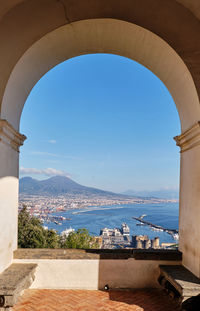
<point>107,123</point>
<point>103,35</point>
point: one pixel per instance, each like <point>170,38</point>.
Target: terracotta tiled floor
<point>82,300</point>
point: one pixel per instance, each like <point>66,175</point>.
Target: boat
<point>142,216</point>
<point>176,236</point>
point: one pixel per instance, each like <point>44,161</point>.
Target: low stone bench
<point>13,281</point>
<point>179,282</point>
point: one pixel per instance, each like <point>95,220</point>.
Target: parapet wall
<point>93,272</point>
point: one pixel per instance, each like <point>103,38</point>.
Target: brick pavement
<point>89,300</point>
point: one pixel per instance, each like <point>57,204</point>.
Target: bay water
<point>96,218</point>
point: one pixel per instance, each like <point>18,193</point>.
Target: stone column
<point>189,211</point>
<point>10,141</point>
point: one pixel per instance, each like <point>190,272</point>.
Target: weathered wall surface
<point>189,213</point>
<point>95,274</point>
<point>8,204</point>
<point>9,166</point>
<point>102,36</point>
<point>190,210</point>
<point>29,21</point>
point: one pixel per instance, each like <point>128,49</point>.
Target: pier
<point>173,232</point>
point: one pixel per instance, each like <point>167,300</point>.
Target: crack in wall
<point>65,11</point>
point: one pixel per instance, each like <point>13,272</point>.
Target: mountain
<point>57,185</point>
<point>161,194</point>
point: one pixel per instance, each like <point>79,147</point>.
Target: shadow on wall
<point>128,273</point>
<point>130,268</point>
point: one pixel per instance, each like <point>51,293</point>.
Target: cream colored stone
<point>189,216</point>
<point>102,36</point>
<point>10,140</point>
<point>39,40</point>
<point>189,213</point>
<point>190,138</point>
<point>9,136</point>
<point>8,204</point>
<point>95,274</point>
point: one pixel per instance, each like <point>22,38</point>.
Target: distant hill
<point>161,194</point>
<point>58,185</point>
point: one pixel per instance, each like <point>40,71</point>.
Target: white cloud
<point>46,171</point>
<point>52,141</point>
<point>44,153</point>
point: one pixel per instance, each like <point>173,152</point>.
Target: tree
<point>52,239</point>
<point>31,233</point>
<point>79,239</point>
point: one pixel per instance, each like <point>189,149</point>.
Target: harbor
<point>113,216</point>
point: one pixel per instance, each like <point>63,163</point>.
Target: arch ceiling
<point>28,23</point>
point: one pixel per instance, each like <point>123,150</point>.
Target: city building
<point>116,237</point>
<point>143,241</point>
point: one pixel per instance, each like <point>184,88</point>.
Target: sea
<point>98,217</point>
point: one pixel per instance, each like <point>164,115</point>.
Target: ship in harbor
<point>116,237</point>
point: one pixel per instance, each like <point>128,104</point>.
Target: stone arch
<point>139,30</point>
<point>102,36</point>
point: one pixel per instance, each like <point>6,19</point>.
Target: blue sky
<point>105,121</point>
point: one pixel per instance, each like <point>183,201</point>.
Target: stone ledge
<point>13,281</point>
<point>112,254</point>
<point>157,254</point>
<point>183,281</point>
